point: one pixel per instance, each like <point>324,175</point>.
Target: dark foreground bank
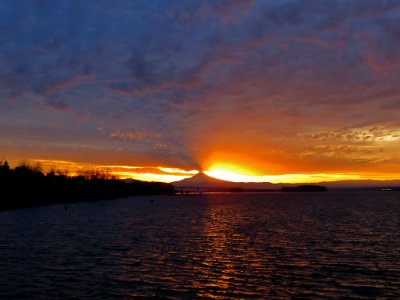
<point>27,186</point>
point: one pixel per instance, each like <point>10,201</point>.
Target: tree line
<point>27,185</point>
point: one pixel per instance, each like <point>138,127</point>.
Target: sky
<point>245,90</point>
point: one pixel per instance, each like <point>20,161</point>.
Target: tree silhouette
<point>27,185</point>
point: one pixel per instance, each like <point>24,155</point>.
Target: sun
<point>230,172</point>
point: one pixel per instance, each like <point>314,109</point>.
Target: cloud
<point>367,135</point>
<point>254,76</point>
<point>128,135</point>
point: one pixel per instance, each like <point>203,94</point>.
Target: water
<point>274,246</point>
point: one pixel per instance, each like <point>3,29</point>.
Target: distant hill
<point>350,184</point>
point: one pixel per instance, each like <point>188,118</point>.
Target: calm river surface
<point>257,246</point>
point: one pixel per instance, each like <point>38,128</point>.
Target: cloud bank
<point>285,86</point>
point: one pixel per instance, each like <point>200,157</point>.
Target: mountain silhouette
<point>201,180</point>
<point>204,181</point>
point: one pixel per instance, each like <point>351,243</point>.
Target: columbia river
<point>217,246</point>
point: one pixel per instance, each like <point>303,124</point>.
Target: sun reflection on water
<point>226,252</point>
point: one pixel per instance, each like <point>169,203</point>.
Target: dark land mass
<point>27,186</point>
<point>305,188</point>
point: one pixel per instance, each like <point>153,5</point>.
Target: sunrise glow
<point>145,173</point>
<point>220,170</point>
<point>149,176</point>
<point>298,96</point>
<point>229,176</point>
<point>236,173</point>
<point>230,172</point>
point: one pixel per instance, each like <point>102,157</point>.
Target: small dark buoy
<point>151,200</point>
<point>66,207</point>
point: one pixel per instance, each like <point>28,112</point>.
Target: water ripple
<point>233,246</point>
